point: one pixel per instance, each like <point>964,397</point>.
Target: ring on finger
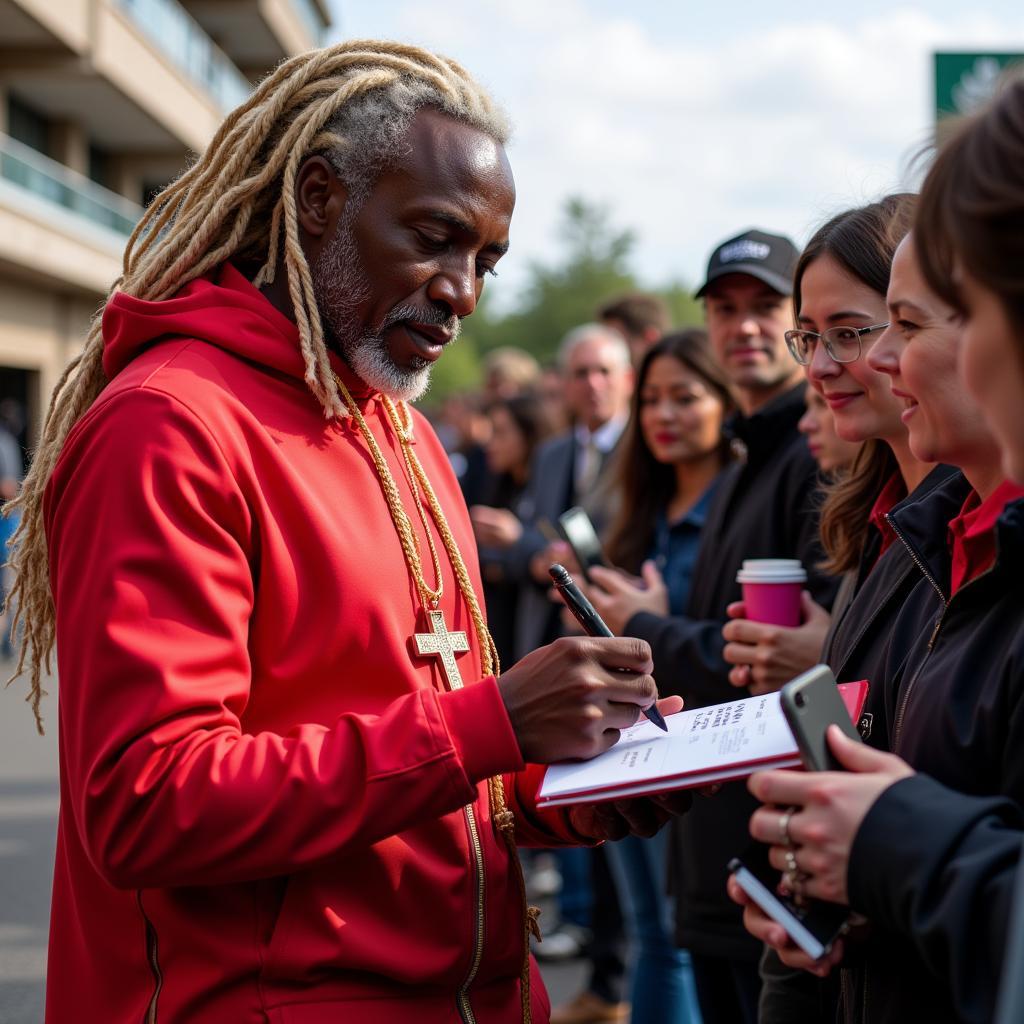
<point>792,868</point>
<point>784,826</point>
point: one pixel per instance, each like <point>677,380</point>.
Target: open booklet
<point>718,743</point>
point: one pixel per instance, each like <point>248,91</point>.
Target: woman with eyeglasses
<point>839,299</point>
<point>840,302</point>
<point>954,702</point>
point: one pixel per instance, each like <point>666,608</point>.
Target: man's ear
<point>320,198</point>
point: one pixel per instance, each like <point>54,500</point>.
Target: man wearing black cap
<point>765,507</point>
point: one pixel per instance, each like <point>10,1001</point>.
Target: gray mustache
<point>430,315</point>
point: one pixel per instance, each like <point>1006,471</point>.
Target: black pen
<point>592,623</point>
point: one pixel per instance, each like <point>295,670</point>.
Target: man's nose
<point>457,287</point>
<point>749,326</point>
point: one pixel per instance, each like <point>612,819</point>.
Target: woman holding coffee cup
<point>839,296</point>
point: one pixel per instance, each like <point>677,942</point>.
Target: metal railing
<point>170,27</point>
<point>25,167</point>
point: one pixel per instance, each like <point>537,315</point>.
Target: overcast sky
<point>693,120</point>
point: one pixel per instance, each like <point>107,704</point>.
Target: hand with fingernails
<point>810,822</point>
<point>822,812</point>
<point>767,656</point>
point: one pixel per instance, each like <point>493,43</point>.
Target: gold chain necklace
<point>439,641</point>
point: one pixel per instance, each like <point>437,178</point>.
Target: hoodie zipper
<point>465,1009</point>
<point>153,960</point>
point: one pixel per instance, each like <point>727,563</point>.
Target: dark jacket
<point>954,709</point>
<point>859,642</point>
<point>765,507</point>
<point>550,492</point>
<point>858,646</point>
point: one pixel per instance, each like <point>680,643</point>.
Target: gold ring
<point>784,826</point>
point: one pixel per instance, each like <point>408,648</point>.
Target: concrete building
<point>101,103</point>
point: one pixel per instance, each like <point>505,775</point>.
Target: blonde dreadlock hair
<point>352,103</point>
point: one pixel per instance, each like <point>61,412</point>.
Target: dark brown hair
<point>644,485</point>
<point>971,209</point>
<point>862,241</point>
<point>638,312</point>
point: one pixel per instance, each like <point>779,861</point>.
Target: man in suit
<point>569,469</point>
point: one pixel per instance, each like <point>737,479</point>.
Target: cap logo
<point>744,249</point>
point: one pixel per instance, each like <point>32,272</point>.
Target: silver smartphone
<point>578,532</point>
<point>811,703</point>
<point>812,924</point>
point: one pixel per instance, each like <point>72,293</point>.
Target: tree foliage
<point>593,267</point>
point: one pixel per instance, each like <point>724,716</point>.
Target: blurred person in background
<point>640,318</point>
<point>12,469</point>
<point>551,388</point>
<point>667,469</point>
<point>572,468</point>
<point>518,426</point>
<point>832,453</point>
<point>954,703</point>
<point>509,371</point>
<point>466,428</point>
<point>764,507</point>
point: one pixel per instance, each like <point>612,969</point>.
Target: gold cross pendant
<point>440,643</point>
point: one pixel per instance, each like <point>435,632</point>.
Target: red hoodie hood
<point>223,309</point>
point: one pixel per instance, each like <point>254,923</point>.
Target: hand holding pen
<point>591,623</point>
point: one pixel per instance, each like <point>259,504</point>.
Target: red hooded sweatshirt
<point>262,786</point>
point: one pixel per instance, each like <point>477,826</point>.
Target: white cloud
<point>689,136</point>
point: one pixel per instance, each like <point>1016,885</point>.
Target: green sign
<point>963,81</point>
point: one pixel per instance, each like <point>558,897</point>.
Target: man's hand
<point>771,933</point>
<point>829,809</point>
<point>638,816</point>
<point>616,597</point>
<point>495,527</point>
<point>572,698</point>
<point>766,656</point>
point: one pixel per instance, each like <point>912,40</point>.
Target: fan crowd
<point>856,406</point>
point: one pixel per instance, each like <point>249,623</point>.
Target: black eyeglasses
<point>843,344</point>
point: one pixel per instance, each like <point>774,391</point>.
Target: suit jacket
<point>550,492</point>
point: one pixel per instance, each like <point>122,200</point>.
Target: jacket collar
<point>766,429</point>
<point>922,520</point>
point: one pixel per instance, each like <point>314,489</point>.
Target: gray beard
<point>341,287</point>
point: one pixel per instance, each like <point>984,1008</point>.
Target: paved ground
<point>28,822</point>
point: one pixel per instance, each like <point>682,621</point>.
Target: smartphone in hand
<point>812,924</point>
<point>578,532</point>
<point>811,703</point>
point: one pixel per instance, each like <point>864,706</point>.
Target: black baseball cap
<point>769,258</point>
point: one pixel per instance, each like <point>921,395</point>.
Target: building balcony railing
<point>312,19</point>
<point>170,27</point>
<point>25,167</point>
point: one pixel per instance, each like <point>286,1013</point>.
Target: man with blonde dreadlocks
<point>279,802</point>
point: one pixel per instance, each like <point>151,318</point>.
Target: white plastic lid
<point>772,570</point>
